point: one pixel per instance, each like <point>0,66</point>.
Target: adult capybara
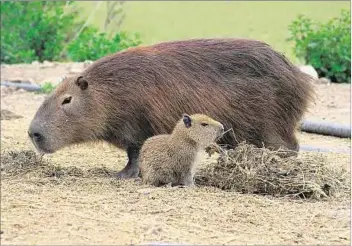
<point>129,96</point>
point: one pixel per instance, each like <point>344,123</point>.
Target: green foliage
<point>327,47</point>
<point>47,88</point>
<point>44,30</point>
<point>91,44</point>
<point>260,20</point>
<point>33,30</point>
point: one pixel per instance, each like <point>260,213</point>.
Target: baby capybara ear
<point>82,83</point>
<point>187,120</point>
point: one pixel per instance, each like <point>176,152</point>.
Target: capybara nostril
<point>37,136</point>
<point>34,132</point>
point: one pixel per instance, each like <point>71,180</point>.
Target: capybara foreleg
<point>131,170</point>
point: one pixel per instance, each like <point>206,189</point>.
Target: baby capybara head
<point>200,128</point>
<point>68,116</point>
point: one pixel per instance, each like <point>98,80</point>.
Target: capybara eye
<point>67,100</point>
<point>204,124</point>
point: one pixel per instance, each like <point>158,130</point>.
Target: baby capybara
<point>173,158</point>
<point>129,96</point>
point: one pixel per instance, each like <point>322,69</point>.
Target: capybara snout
<point>221,131</point>
<point>35,134</point>
<point>40,136</point>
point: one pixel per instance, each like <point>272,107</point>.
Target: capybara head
<point>68,116</point>
<point>199,128</point>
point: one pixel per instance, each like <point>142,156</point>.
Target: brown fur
<point>138,93</point>
<point>173,158</point>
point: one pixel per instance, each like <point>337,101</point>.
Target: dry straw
<point>17,163</point>
<point>249,169</point>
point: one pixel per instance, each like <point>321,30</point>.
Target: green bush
<point>91,45</point>
<point>327,47</point>
<point>45,30</point>
<point>47,88</point>
<point>33,30</point>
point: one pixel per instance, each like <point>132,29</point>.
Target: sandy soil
<point>102,210</point>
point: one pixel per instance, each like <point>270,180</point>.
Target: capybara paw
<point>126,173</point>
<point>213,148</point>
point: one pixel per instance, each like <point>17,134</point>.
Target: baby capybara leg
<point>131,170</point>
<point>187,180</point>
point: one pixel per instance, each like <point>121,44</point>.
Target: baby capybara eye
<point>66,100</point>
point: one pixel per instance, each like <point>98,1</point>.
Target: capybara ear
<point>82,83</point>
<point>187,120</point>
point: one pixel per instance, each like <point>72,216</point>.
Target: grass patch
<point>267,21</point>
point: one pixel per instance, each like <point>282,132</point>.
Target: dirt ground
<point>103,210</point>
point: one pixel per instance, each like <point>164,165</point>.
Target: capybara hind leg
<point>291,144</point>
<point>131,170</point>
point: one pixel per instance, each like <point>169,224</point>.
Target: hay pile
<point>249,169</point>
<point>17,163</point>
